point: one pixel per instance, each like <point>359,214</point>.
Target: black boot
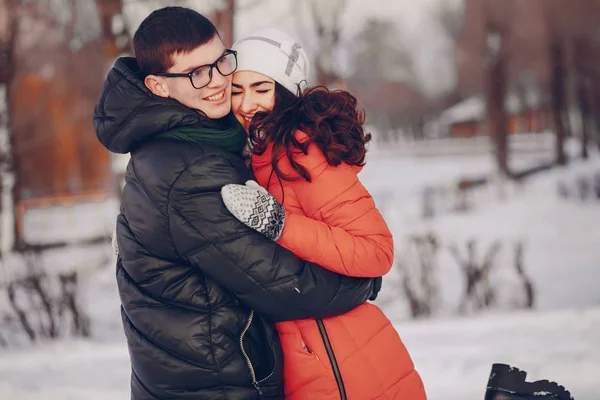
<point>508,383</point>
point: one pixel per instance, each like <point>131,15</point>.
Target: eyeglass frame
<point>210,71</point>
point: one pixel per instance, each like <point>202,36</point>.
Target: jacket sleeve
<point>265,276</point>
<point>344,231</point>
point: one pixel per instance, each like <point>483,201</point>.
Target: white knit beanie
<point>273,53</point>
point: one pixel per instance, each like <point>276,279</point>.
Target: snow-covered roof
<point>474,109</point>
<point>513,104</point>
<point>471,109</point>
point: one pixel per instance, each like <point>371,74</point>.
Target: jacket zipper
<point>332,360</point>
<point>255,383</point>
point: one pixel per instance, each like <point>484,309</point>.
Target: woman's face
<point>251,92</point>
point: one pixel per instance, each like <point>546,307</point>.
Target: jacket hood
<point>128,113</point>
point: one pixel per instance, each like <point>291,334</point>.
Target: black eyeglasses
<point>201,76</point>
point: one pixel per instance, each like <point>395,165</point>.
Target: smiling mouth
<point>217,97</point>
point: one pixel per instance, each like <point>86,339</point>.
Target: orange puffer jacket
<point>333,221</point>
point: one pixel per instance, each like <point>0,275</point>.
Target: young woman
<point>307,148</point>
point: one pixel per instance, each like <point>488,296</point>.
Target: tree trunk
<point>596,124</point>
<point>328,29</point>
<point>224,22</point>
<point>114,43</point>
<point>8,33</point>
<point>594,104</point>
<point>7,37</point>
<point>497,119</point>
<point>558,100</point>
<point>583,98</point>
<point>585,112</point>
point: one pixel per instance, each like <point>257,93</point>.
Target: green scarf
<point>225,132</point>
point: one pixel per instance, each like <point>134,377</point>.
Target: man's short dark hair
<point>168,31</point>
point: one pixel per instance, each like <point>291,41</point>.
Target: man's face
<point>215,98</point>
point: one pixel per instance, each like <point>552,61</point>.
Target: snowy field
<point>559,340</point>
<point>454,357</point>
<point>561,236</point>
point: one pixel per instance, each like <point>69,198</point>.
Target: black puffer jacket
<point>199,290</point>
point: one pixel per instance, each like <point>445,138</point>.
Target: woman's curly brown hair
<point>329,118</point>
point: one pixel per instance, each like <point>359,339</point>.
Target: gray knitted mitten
<point>255,207</point>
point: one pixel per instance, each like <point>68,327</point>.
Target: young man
<point>199,290</point>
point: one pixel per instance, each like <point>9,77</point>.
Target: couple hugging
<point>248,249</point>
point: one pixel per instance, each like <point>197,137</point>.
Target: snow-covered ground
<point>561,236</point>
<point>558,340</point>
<point>454,357</point>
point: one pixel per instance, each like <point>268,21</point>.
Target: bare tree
<point>326,17</point>
<point>450,18</point>
<point>583,83</point>
<point>223,19</point>
<point>553,41</point>
<point>385,78</point>
<point>116,29</point>
<point>483,55</point>
<point>69,301</point>
<point>528,287</point>
<point>572,29</point>
<point>221,13</point>
<point>7,38</point>
<point>8,29</point>
<point>558,79</point>
<point>479,292</point>
<point>419,280</point>
<point>20,311</point>
<point>496,95</point>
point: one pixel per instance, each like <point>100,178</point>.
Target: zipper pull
<point>258,389</point>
